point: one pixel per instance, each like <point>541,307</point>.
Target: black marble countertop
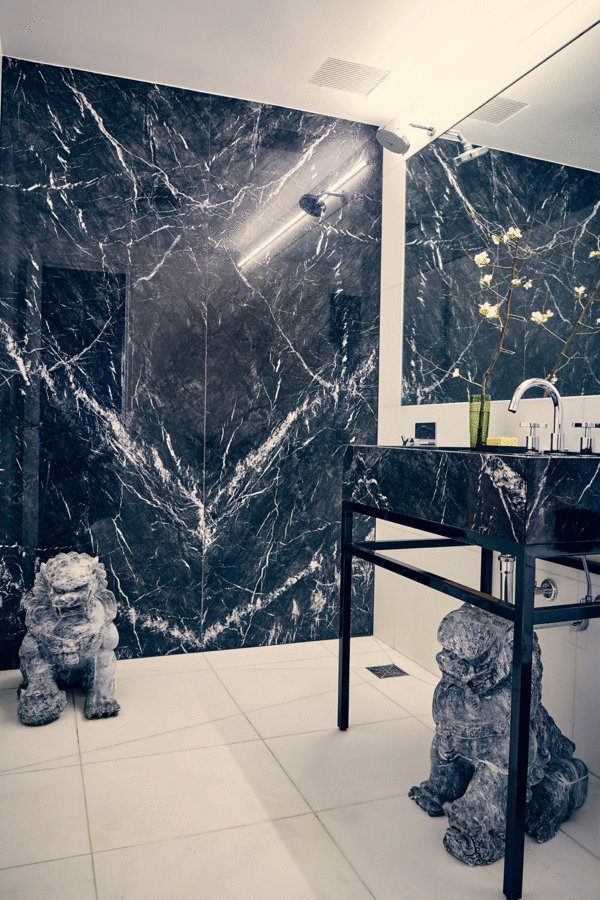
<point>527,498</point>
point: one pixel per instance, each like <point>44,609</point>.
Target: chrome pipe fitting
<point>507,578</point>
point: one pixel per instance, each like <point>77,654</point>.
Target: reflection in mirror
<point>503,244</point>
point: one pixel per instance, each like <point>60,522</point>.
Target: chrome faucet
<point>557,438</point>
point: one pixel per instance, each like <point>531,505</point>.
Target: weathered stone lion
<point>469,753</point>
<point>70,639</point>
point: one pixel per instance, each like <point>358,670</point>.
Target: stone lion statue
<point>469,753</point>
<point>70,639</point>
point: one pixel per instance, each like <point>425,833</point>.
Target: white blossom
<point>512,233</point>
<point>594,253</point>
<point>516,281</point>
<point>486,280</point>
<point>481,259</point>
<point>497,240</point>
<point>488,311</point>
<point>540,317</point>
<point>527,285</point>
<point>456,374</point>
<point>580,291</point>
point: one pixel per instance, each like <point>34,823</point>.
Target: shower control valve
<point>587,443</point>
<point>533,440</point>
<point>548,589</point>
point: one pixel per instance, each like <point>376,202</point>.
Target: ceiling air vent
<point>347,76</point>
<point>498,110</point>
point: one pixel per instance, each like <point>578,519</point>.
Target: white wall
<point>407,615</point>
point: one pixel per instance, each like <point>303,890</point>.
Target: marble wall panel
<point>193,406</point>
<point>451,210</point>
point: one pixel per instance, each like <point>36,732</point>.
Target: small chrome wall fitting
<point>548,590</point>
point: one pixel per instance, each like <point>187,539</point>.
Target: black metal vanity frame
<point>522,614</point>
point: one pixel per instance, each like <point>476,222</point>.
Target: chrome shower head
<point>314,206</point>
<point>311,205</point>
<point>469,152</point>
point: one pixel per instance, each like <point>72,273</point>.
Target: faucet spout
<point>557,435</point>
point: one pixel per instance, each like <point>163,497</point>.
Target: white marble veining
<point>177,402</point>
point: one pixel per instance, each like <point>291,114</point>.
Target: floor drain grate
<point>386,671</point>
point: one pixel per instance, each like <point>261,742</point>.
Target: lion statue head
<point>68,585</point>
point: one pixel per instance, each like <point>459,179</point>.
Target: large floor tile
<point>228,730</point>
<point>328,661</point>
<point>319,712</point>
<point>249,656</point>
<point>67,879</point>
<point>259,688</point>
<point>174,711</point>
<point>358,645</point>
<point>397,850</point>
<point>43,816</point>
<point>25,747</point>
<point>150,798</point>
<point>412,694</point>
<point>175,662</point>
<point>584,825</point>
<point>292,859</point>
<point>335,768</point>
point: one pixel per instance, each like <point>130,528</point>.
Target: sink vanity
<point>514,503</point>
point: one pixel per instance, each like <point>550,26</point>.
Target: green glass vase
<point>475,412</point>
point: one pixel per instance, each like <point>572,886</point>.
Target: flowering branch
<point>503,280</point>
<point>454,372</point>
<point>491,312</point>
<point>542,317</point>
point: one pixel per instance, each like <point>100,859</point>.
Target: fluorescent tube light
<point>302,215</point>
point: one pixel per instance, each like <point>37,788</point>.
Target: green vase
<point>474,413</point>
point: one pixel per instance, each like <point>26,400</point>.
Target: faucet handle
<point>533,440</point>
<point>587,442</point>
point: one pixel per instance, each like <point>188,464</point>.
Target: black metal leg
<point>519,726</point>
<point>345,621</point>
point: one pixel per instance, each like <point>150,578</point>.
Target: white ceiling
<point>445,57</point>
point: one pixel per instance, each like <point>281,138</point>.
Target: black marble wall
<point>167,404</point>
<point>450,210</point>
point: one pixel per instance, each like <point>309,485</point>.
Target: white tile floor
<point>224,776</point>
